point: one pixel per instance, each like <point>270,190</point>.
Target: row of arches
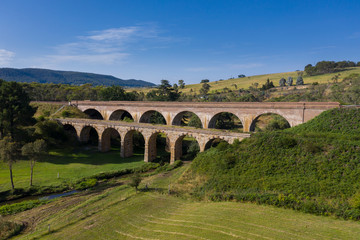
<point>222,120</point>
<point>154,146</point>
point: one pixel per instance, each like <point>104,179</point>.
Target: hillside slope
<point>66,77</point>
<point>309,168</point>
<point>246,82</point>
<point>120,213</point>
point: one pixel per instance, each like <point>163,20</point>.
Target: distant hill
<point>66,77</point>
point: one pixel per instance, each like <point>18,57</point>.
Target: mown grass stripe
<point>196,227</point>
<point>211,225</point>
<point>135,237</point>
<point>297,236</point>
<point>167,232</point>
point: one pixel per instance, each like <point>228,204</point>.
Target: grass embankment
<point>246,82</point>
<point>70,166</point>
<point>314,167</point>
<point>119,213</point>
<point>53,110</point>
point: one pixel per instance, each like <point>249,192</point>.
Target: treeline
<point>329,67</point>
<point>64,92</point>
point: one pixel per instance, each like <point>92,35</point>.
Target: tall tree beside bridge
<point>15,110</point>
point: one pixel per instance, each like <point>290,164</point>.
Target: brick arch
<point>252,125</point>
<point>119,114</point>
<point>70,129</point>
<point>216,116</point>
<point>94,114</point>
<point>106,138</point>
<point>152,145</point>
<point>177,145</point>
<point>211,140</point>
<point>127,146</point>
<point>176,120</point>
<point>85,133</point>
<point>145,117</point>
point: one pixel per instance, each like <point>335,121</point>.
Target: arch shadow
<point>269,121</point>
<point>226,120</point>
<point>186,147</point>
<point>187,118</point>
<point>213,143</point>
<point>110,138</point>
<point>153,116</point>
<point>89,135</point>
<point>121,115</point>
<point>94,114</point>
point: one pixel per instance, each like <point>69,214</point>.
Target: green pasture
<point>70,166</point>
<point>120,213</point>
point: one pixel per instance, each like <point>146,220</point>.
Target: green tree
<point>282,82</point>
<point>290,81</point>
<point>181,84</point>
<point>269,84</point>
<point>164,92</point>
<point>34,151</point>
<point>15,109</point>
<point>113,93</point>
<point>135,181</point>
<point>8,154</point>
<point>204,89</point>
<point>205,81</point>
<point>299,81</point>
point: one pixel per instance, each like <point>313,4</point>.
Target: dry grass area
<point>246,82</point>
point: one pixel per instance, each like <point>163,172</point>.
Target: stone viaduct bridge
<point>175,135</point>
<point>208,112</point>
<point>106,116</point>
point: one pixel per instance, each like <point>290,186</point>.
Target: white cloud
<point>109,58</point>
<point>109,46</point>
<point>114,34</point>
<point>6,57</point>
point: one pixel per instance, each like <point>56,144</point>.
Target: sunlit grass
<point>68,165</point>
<point>120,213</point>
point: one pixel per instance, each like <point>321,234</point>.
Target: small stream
<point>39,197</point>
<point>53,196</point>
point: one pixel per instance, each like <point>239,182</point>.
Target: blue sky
<point>173,39</point>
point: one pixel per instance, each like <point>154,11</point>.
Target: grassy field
<point>260,79</point>
<point>70,166</point>
<point>120,213</point>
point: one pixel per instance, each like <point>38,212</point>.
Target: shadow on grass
<point>91,156</point>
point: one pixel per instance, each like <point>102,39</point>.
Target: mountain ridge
<point>67,77</point>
